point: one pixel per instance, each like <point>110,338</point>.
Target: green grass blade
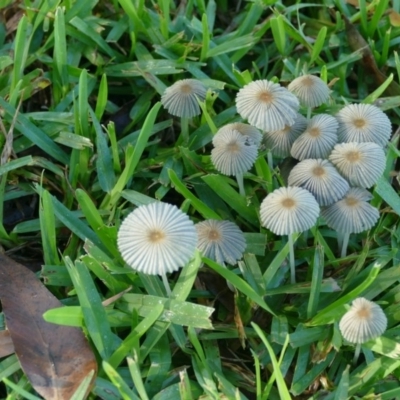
<point>21,48</point>
<point>239,283</point>
<point>123,388</point>
<point>283,390</point>
<point>202,208</point>
<point>133,158</point>
<point>279,33</point>
<point>48,229</point>
<point>316,281</point>
<point>34,134</point>
<point>93,311</point>
<point>60,49</point>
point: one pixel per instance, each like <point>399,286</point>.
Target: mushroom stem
<point>270,160</point>
<point>308,113</point>
<point>291,258</point>
<point>239,179</point>
<point>166,285</point>
<point>185,130</point>
<point>345,243</point>
<point>356,353</point>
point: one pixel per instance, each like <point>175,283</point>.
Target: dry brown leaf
<point>394,18</point>
<point>6,344</point>
<point>55,358</point>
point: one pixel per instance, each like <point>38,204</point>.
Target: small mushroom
<point>311,90</point>
<point>244,129</point>
<point>181,100</point>
<point>289,210</point>
<point>267,105</point>
<point>362,164</point>
<point>320,178</point>
<point>352,214</point>
<point>318,139</point>
<point>233,154</point>
<point>363,123</point>
<point>222,241</point>
<point>280,142</point>
<point>364,321</point>
<point>157,238</point>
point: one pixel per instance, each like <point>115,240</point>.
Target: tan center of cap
<point>288,203</point>
<point>156,236</point>
<point>265,96</point>
<point>214,235</point>
<point>359,122</point>
<point>186,88</point>
<point>353,156</point>
<point>318,171</point>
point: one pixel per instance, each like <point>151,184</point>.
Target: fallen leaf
<point>55,358</point>
<point>6,344</point>
<point>394,18</point>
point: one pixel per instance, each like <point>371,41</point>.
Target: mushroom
<point>318,139</point>
<point>280,142</point>
<point>222,241</point>
<point>289,210</point>
<point>352,214</point>
<point>364,321</point>
<point>181,100</point>
<point>267,105</point>
<point>157,238</point>
<point>244,129</point>
<point>363,123</point>
<point>320,178</point>
<point>361,164</point>
<point>233,154</point>
<point>311,90</point>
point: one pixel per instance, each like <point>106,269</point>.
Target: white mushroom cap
<point>362,164</point>
<point>180,99</point>
<point>352,214</point>
<point>288,210</point>
<point>157,238</point>
<point>234,153</point>
<point>244,129</point>
<point>321,178</point>
<point>318,139</point>
<point>280,142</point>
<point>363,123</point>
<point>222,241</point>
<point>267,105</point>
<point>364,321</point>
<point>310,89</point>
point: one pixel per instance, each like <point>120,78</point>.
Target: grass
<point>92,141</point>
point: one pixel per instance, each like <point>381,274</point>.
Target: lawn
<point>199,199</point>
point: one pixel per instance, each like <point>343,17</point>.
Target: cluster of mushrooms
<point>338,158</point>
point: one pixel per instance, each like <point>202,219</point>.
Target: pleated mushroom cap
<point>244,129</point>
<point>318,139</point>
<point>363,123</point>
<point>234,153</point>
<point>364,321</point>
<point>280,142</point>
<point>222,241</point>
<point>352,214</point>
<point>267,105</point>
<point>180,99</point>
<point>157,238</point>
<point>288,210</point>
<point>320,178</point>
<point>362,164</point>
<point>310,89</point>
